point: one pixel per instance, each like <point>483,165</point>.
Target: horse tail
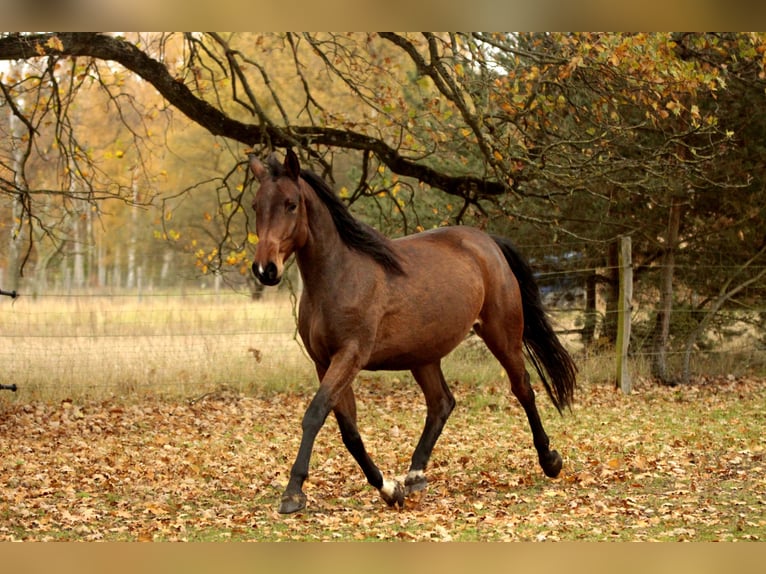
<point>544,349</point>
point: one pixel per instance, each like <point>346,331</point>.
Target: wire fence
<point>104,344</point>
<point>121,344</point>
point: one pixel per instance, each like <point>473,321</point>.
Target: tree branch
<point>178,94</point>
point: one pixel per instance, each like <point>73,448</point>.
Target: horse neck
<point>324,252</point>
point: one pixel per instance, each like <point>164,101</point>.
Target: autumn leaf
<point>661,464</point>
<point>54,43</point>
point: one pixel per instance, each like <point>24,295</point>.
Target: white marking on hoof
<point>416,476</point>
<point>415,481</point>
<point>392,492</point>
<point>389,488</point>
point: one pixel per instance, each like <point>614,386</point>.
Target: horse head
<point>280,215</point>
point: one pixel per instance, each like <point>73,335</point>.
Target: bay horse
<point>373,303</point>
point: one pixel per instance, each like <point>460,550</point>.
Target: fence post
<point>623,314</point>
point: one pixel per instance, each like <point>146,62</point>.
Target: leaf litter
<point>669,464</point>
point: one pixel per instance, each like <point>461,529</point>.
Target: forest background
<point>122,162</point>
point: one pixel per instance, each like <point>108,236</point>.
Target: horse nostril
<point>266,275</point>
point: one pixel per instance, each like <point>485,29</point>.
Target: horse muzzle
<point>268,275</point>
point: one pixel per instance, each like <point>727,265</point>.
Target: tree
<point>570,140</point>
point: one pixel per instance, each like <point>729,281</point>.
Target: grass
<point>659,464</point>
<point>55,348</point>
<point>156,420</point>
<point>188,345</point>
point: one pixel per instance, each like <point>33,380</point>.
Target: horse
<point>374,303</point>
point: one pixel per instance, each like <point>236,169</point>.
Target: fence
<point>733,344</point>
<point>118,344</point>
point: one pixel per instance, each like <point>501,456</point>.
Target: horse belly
<point>422,330</point>
<point>408,357</point>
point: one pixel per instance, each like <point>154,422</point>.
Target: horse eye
<point>291,207</point>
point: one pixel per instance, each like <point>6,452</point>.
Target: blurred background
<point>125,219</point>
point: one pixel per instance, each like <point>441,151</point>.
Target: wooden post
<point>623,314</point>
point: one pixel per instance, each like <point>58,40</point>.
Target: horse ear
<point>292,165</point>
<point>258,169</point>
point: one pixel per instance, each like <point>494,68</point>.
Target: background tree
<point>565,141</point>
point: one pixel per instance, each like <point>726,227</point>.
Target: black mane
<point>354,233</point>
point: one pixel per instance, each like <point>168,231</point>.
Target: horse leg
<point>512,359</point>
<point>550,460</point>
<point>392,492</point>
<point>439,404</point>
<point>342,370</point>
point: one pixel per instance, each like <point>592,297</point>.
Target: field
<point>140,433</point>
<point>56,348</point>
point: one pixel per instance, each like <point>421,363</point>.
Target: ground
<point>684,463</point>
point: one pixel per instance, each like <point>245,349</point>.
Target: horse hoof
<point>414,482</point>
<point>292,503</point>
<point>551,464</point>
<point>392,492</point>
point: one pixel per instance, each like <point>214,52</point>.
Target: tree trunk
<point>101,263</point>
<point>78,243</point>
<point>15,239</point>
<point>117,269</point>
<point>662,326</point>
<point>612,294</point>
<point>132,277</point>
